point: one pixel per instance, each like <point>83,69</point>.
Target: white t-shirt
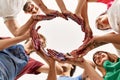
<point>114,16</point>
<point>10,8</point>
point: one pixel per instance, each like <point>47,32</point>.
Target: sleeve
<point>34,66</point>
<point>9,18</point>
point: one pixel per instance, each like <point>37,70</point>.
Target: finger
<point>52,53</point>
<point>61,15</point>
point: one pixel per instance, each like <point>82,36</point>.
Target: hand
<point>88,34</point>
<point>27,34</point>
<point>56,55</point>
<point>83,49</point>
<point>56,14</point>
<point>35,36</point>
<point>73,17</point>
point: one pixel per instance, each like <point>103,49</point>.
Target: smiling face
<point>30,8</point>
<point>100,57</point>
<point>102,22</point>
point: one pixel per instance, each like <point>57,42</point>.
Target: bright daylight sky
<point>62,35</point>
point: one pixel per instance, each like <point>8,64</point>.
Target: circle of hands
<point>75,54</point>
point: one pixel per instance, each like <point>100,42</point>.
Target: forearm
<point>61,5</point>
<point>15,29</point>
<point>11,41</point>
<point>84,12</point>
<point>93,75</point>
<point>42,53</point>
<point>80,6</point>
<point>42,6</point>
<point>109,38</point>
<point>52,72</point>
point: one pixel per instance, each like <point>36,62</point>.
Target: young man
<point>11,8</point>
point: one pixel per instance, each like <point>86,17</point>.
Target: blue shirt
<point>12,61</point>
<point>70,78</point>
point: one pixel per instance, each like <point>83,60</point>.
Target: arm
<point>61,5</point>
<point>93,75</point>
<point>52,72</point>
<point>81,62</point>
<point>4,43</point>
<point>109,38</point>
<point>42,53</point>
<point>82,13</point>
<point>48,11</point>
<point>15,29</point>
<point>42,6</point>
<point>95,42</point>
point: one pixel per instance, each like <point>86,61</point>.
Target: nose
<point>98,57</point>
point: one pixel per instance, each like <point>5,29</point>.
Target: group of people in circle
<point>15,60</point>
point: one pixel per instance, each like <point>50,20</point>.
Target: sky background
<point>62,35</point>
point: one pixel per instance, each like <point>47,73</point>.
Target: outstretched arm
<point>18,30</point>
<point>95,42</point>
<point>93,75</point>
<point>52,75</point>
<point>4,43</point>
<point>82,13</point>
<point>61,5</point>
<point>81,62</point>
<point>42,52</point>
<point>48,11</point>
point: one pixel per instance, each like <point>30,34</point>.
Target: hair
<point>72,70</point>
<point>112,57</point>
<point>25,6</point>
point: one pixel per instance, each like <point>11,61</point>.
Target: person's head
<point>30,8</point>
<point>68,68</point>
<point>100,56</point>
<point>30,44</point>
<point>102,22</point>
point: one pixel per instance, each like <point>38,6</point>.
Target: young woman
<point>81,13</point>
<point>106,21</point>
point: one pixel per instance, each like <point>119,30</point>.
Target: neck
<point>28,49</point>
<point>67,73</point>
<point>102,70</point>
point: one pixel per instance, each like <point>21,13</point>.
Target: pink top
<point>107,2</point>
